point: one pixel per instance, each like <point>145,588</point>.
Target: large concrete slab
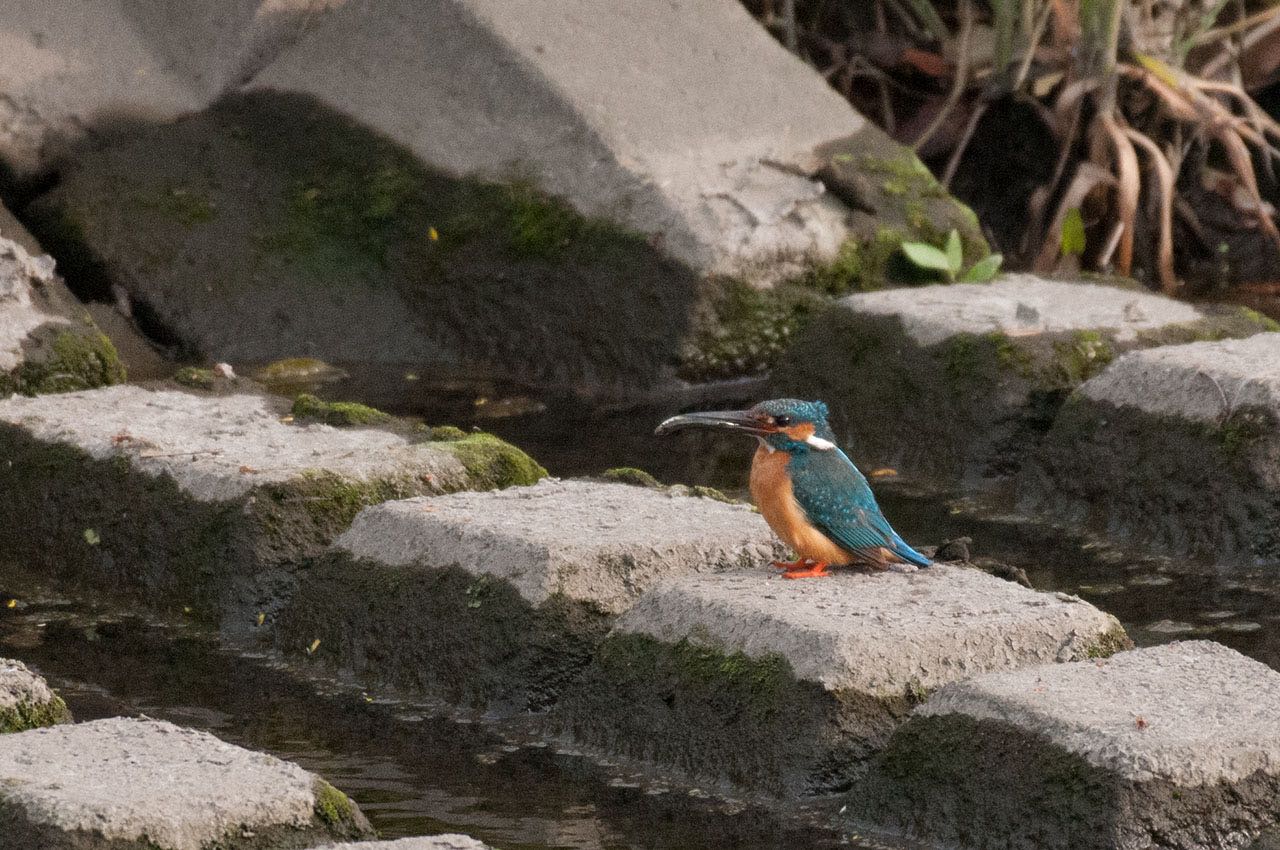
<point>48,343</point>
<point>1176,746</point>
<point>150,785</point>
<point>673,120</point>
<point>960,381</point>
<point>181,495</point>
<point>496,600</point>
<point>73,71</point>
<point>793,685</point>
<point>1177,447</point>
<point>599,543</point>
<point>26,700</point>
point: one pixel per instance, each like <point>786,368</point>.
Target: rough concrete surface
<point>1021,305</point>
<point>434,842</point>
<point>790,687</point>
<point>963,381</point>
<point>219,447</point>
<point>204,499</point>
<point>667,119</point>
<point>591,542</point>
<point>874,633</point>
<point>26,700</point>
<point>496,602</point>
<point>1175,447</point>
<point>1199,382</point>
<point>1171,746</point>
<point>150,784</point>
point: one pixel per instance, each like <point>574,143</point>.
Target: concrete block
<point>1176,746</point>
<point>961,381</point>
<point>1176,448</point>
<point>496,600</point>
<point>204,499</point>
<point>150,785</point>
<point>792,686</point>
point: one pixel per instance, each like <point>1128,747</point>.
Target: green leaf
<point>925,256</point>
<point>1073,233</point>
<point>983,270</point>
<point>955,252</point>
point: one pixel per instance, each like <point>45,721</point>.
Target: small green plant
<point>950,261</point>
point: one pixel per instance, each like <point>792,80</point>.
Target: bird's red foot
<point>818,570</point>
<point>792,565</point>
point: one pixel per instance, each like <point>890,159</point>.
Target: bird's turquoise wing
<point>837,499</point>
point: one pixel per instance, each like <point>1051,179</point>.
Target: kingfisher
<point>808,490</point>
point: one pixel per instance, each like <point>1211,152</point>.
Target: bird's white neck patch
<point>819,443</point>
<point>765,445</point>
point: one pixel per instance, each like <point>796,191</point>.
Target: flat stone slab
<point>150,785</point>
<point>810,677</point>
<point>1175,746</point>
<point>26,700</point>
<point>434,842</point>
<point>176,492</point>
<point>1195,429</point>
<point>592,542</point>
<point>496,600</point>
<point>964,377</point>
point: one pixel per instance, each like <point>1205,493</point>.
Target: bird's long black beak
<point>727,420</point>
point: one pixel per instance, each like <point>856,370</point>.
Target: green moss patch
<point>493,463</point>
<point>342,414</point>
<point>195,377</point>
<point>26,715</point>
<point>64,359</point>
<point>631,475</point>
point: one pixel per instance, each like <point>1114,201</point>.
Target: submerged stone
<point>963,380</point>
<point>206,501</point>
<point>790,686</point>
<point>150,785</point>
<point>1176,746</point>
<point>496,600</point>
<point>26,700</point>
<point>434,842</point>
<point>1176,447</point>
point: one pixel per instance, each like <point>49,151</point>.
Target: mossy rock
<point>472,641</point>
<point>893,198</point>
<point>31,715</point>
<point>63,358</point>
<point>493,463</point>
<point>631,475</point>
<point>341,414</point>
<point>195,377</point>
<point>725,716</point>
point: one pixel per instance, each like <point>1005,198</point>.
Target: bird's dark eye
<point>782,421</point>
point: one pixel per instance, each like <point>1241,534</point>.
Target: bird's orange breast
<point>773,494</point>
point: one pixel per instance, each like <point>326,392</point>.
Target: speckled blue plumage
<point>832,492</point>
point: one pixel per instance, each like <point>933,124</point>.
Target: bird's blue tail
<point>900,548</point>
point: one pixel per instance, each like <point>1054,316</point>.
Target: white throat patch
<point>765,445</point>
<point>820,444</point>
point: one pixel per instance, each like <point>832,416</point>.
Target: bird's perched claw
<point>804,569</point>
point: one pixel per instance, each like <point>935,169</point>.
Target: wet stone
<point>26,700</point>
<point>1176,746</point>
<point>206,500</point>
<point>791,686</point>
<point>150,785</point>
<point>966,378</point>
<point>434,842</point>
<point>1176,448</point>
<point>495,601</point>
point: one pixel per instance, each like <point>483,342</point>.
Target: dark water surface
<point>415,774</point>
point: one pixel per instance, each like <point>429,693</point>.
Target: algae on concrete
<point>341,414</point>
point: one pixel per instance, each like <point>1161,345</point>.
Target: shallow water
<point>416,775</point>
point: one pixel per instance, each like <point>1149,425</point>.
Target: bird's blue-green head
<point>784,424</point>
